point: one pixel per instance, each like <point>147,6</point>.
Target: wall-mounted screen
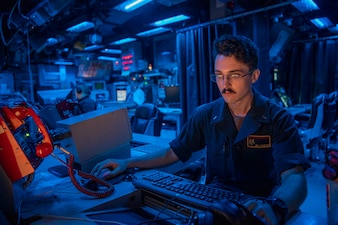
<point>172,94</point>
<point>54,96</point>
<point>121,95</point>
<point>99,85</point>
<point>95,69</point>
<point>120,91</point>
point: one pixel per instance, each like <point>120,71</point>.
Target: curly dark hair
<point>241,47</point>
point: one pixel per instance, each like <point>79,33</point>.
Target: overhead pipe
<point>232,17</point>
<point>318,39</point>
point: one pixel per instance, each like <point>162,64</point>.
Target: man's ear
<point>255,75</point>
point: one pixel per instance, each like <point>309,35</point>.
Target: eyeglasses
<point>220,77</point>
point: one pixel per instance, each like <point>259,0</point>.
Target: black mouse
<point>91,185</point>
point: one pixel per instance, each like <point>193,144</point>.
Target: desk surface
<point>61,202</point>
<point>57,200</point>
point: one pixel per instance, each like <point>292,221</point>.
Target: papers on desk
<point>139,96</point>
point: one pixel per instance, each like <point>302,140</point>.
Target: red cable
<point>99,194</point>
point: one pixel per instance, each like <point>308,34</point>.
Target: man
<point>85,103</point>
<point>252,144</point>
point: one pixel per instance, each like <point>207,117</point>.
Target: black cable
<point>99,194</point>
<point>163,219</point>
<point>159,213</point>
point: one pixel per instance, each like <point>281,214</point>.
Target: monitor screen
<point>172,94</point>
<point>94,69</point>
<point>54,96</point>
<point>121,95</point>
<point>94,130</point>
<point>99,85</point>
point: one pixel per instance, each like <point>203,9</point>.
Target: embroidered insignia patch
<point>258,141</point>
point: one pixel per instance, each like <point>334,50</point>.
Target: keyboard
<point>186,191</point>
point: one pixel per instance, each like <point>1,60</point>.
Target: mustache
<point>227,90</point>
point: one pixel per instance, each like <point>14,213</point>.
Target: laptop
<point>98,135</point>
<point>102,134</point>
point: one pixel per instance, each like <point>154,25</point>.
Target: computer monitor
<point>121,94</point>
<point>120,91</point>
<point>172,94</point>
<point>99,85</point>
<point>53,96</point>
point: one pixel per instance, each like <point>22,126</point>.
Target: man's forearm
<point>293,190</point>
<point>157,159</point>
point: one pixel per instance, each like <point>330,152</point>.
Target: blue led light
<point>107,58</point>
<point>322,22</point>
<point>131,5</point>
<point>154,31</point>
<point>170,20</point>
<point>305,5</point>
<point>93,47</point>
<point>81,26</point>
<point>111,51</point>
<point>123,41</point>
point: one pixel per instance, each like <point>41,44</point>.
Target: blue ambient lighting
<point>154,31</point>
<point>107,58</point>
<point>131,5</point>
<point>111,51</point>
<point>123,41</point>
<point>170,20</point>
<point>81,27</point>
<point>93,47</point>
<point>322,22</point>
<point>305,5</point>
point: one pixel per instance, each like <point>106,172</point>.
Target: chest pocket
<point>255,152</point>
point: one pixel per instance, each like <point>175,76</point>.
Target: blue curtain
<point>195,64</point>
<point>310,69</point>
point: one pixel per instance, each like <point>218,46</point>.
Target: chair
<point>147,120</point>
<point>334,136</point>
<point>329,119</point>
<point>311,126</point>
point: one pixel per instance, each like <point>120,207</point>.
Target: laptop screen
<point>98,135</point>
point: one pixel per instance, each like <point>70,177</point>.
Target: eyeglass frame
<point>213,76</point>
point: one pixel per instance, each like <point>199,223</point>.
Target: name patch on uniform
<point>258,141</point>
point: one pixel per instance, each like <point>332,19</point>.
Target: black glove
<point>225,212</point>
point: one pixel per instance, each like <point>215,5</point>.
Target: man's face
<point>236,85</point>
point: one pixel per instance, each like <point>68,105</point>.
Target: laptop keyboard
<point>148,148</point>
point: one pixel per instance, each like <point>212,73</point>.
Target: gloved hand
<point>262,209</point>
<point>226,212</point>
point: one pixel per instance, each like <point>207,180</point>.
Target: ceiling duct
<point>170,2</point>
<point>40,17</point>
<point>55,7</point>
<point>48,10</point>
<point>40,13</point>
<point>255,4</point>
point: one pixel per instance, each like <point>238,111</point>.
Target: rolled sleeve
<point>181,153</point>
<point>192,136</point>
<point>290,161</point>
<point>288,146</point>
